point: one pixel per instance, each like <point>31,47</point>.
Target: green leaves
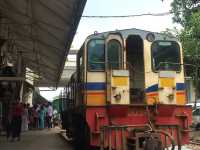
<point>183,9</point>
<point>195,24</point>
<point>187,13</point>
<point>190,36</point>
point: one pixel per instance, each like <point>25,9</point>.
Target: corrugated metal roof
<point>42,31</point>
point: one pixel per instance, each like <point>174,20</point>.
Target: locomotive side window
<point>165,55</point>
<point>96,55</point>
<point>114,52</point>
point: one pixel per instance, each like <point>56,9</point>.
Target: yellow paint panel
<point>167,82</point>
<point>95,100</point>
<point>180,98</point>
<point>120,81</point>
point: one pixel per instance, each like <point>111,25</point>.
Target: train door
<point>117,77</point>
<point>135,64</point>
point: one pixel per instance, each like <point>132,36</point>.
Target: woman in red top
<point>17,121</point>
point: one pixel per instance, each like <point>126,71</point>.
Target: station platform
<point>37,140</point>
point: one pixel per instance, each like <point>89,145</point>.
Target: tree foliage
<point>190,36</point>
<point>183,9</point>
<point>187,13</point>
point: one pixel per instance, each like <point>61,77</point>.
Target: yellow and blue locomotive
<point>128,92</point>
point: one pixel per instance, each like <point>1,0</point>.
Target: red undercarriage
<point>172,119</point>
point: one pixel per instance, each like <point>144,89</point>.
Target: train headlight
<point>150,37</point>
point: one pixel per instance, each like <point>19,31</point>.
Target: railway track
<point>194,145</point>
<point>195,142</point>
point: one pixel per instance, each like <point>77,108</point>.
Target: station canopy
<point>41,31</point>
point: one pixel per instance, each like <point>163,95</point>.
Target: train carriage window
<point>165,55</point>
<point>114,52</point>
<point>96,55</point>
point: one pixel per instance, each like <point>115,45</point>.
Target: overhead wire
<point>129,16</point>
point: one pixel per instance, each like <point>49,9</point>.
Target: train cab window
<point>165,55</point>
<point>96,55</point>
<point>114,52</point>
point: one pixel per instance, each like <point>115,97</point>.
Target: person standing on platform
<point>16,121</point>
<point>25,118</point>
<point>50,114</point>
<point>41,117</point>
<point>46,115</point>
<point>35,113</point>
<point>9,121</point>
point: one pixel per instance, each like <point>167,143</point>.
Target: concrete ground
<point>37,140</point>
<point>195,135</point>
<point>52,140</point>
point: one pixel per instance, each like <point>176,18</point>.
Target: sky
<point>88,26</point>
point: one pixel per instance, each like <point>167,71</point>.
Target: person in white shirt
<point>49,115</point>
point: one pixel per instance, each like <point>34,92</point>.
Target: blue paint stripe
<point>152,88</point>
<point>95,86</point>
<point>180,86</point>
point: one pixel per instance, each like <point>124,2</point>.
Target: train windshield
<point>114,51</point>
<point>165,55</point>
<point>96,55</point>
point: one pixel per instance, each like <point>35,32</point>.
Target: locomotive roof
<point>133,31</point>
